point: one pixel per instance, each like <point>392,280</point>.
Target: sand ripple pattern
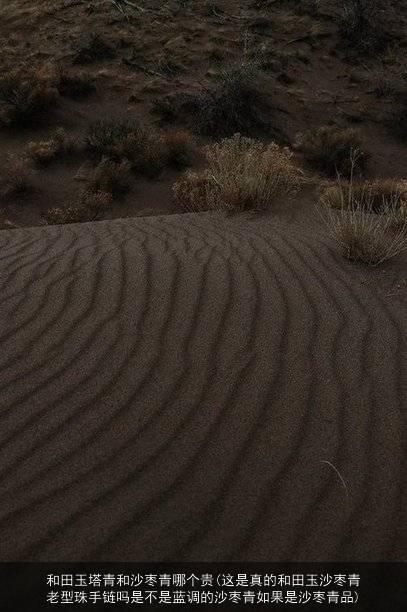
<point>173,388</point>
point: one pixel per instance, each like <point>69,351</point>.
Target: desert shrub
<point>104,137</point>
<point>25,97</point>
<point>110,177</point>
<point>91,206</point>
<point>389,82</point>
<point>242,174</point>
<point>145,151</point>
<point>74,86</point>
<point>329,148</point>
<point>93,50</point>
<point>179,146</point>
<point>237,103</point>
<point>308,7</point>
<point>367,235</point>
<point>58,145</point>
<point>143,148</point>
<point>397,121</point>
<point>16,176</point>
<point>361,25</point>
<point>176,105</point>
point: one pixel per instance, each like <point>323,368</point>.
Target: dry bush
<point>144,149</point>
<point>362,25</point>
<point>90,207</point>
<point>243,174</point>
<point>365,234</point>
<point>329,148</point>
<point>25,97</point>
<point>110,177</point>
<point>59,145</point>
<point>191,193</point>
<point>16,176</point>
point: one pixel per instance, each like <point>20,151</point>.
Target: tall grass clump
<point>367,231</point>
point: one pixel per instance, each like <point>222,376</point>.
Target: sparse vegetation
<point>329,148</point>
<point>243,174</point>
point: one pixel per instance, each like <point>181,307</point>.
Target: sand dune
<point>174,388</point>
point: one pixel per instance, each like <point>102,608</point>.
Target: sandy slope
<point>171,388</point>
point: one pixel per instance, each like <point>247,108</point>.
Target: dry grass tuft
<point>243,174</point>
<point>329,149</point>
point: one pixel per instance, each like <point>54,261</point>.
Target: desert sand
<point>199,387</point>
